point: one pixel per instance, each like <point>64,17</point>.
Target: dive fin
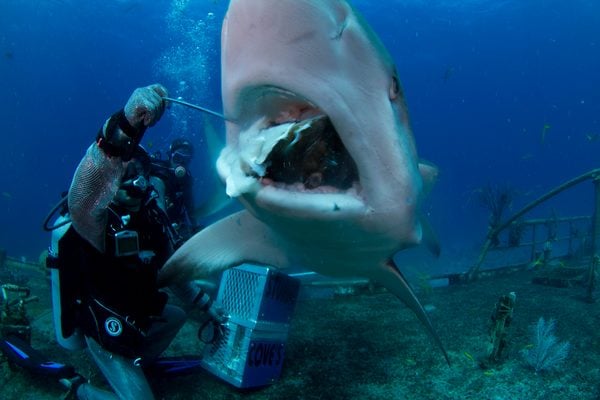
<point>391,277</point>
<point>20,353</point>
<point>173,366</point>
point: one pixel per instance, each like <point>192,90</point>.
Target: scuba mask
<point>179,157</point>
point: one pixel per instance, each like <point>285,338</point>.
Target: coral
<point>547,353</point>
<point>497,200</point>
<point>501,319</point>
<point>515,233</point>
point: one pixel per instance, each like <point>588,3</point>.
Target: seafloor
<point>370,346</point>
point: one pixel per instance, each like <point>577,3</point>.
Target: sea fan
<point>547,353</point>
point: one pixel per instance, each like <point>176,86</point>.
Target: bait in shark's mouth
<point>311,157</point>
<point>294,145</point>
<point>305,155</point>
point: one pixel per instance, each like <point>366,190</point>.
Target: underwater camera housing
<point>260,302</point>
<point>126,243</point>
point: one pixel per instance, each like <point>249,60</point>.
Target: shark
<point>319,151</point>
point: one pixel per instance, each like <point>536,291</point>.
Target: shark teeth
<point>297,155</point>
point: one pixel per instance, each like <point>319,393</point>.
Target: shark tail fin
<point>391,277</point>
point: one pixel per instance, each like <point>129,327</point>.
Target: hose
<point>61,205</point>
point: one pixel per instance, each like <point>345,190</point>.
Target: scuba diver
<point>177,185</point>
<point>109,257</point>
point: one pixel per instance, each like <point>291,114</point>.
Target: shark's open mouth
<point>292,145</point>
<point>309,155</point>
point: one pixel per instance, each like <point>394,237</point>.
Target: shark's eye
<point>394,88</point>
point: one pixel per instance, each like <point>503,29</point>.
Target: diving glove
<point>124,130</point>
<point>145,106</point>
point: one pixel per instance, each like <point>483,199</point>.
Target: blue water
<point>482,79</point>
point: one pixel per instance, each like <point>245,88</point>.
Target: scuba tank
<point>73,340</point>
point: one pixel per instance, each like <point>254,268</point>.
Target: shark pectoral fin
<point>429,174</point>
<point>217,202</point>
<point>233,240</point>
<point>430,239</point>
<point>390,276</point>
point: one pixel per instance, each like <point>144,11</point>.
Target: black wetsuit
<point>128,283</point>
<point>124,285</point>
